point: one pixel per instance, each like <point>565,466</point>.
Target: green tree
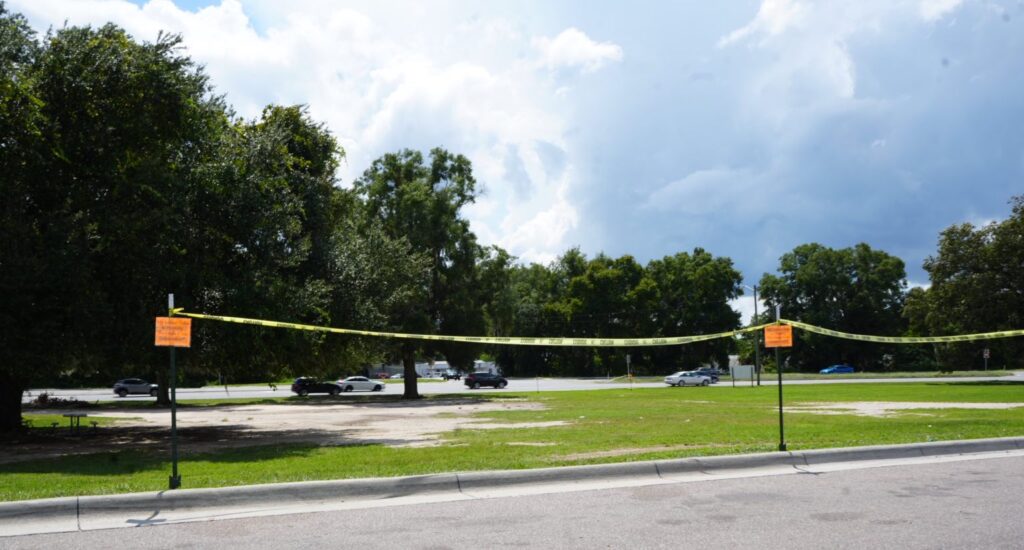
<point>693,292</point>
<point>421,203</point>
<point>858,289</point>
<point>976,286</point>
<point>32,318</point>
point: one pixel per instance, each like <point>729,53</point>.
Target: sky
<point>648,128</point>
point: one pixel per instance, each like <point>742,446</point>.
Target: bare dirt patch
<point>395,424</point>
<point>889,408</point>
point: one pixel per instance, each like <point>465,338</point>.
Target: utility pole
<point>757,339</point>
<point>629,373</point>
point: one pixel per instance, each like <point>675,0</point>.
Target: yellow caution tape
<point>906,339</point>
<point>504,340</point>
<point>607,342</point>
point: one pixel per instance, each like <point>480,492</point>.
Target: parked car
<point>134,385</point>
<point>477,379</point>
<point>687,378</point>
<point>837,369</point>
<point>711,373</point>
<point>398,376</point>
<point>361,383</point>
<point>305,385</point>
<point>452,375</point>
<point>383,375</point>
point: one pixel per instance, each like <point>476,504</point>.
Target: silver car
<point>134,385</point>
<point>687,378</point>
<point>362,383</point>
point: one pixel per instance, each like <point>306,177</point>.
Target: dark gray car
<point>134,386</point>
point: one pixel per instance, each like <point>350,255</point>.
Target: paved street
<point>455,386</point>
<point>966,504</point>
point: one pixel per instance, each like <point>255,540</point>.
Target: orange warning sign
<point>174,331</point>
<point>778,336</point>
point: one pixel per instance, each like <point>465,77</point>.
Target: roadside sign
<point>986,354</point>
<point>778,336</point>
<point>174,332</point>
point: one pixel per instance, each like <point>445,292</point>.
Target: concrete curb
<point>111,511</point>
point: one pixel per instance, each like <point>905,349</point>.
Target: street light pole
<point>757,338</point>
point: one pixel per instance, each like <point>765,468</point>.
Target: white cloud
<point>932,10</point>
<point>572,48</point>
<point>744,305</point>
<point>773,17</point>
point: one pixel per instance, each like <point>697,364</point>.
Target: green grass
<point>46,421</point>
<point>639,424</point>
<point>851,376</point>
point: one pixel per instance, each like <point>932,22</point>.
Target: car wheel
<point>476,385</point>
<point>501,385</point>
<point>122,392</point>
<point>335,391</point>
<point>348,388</point>
<point>378,387</point>
<point>704,383</point>
<point>152,393</point>
<point>303,393</point>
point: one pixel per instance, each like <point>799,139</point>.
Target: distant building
<point>486,366</point>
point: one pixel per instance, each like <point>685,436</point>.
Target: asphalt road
<point>967,504</point>
<point>455,386</point>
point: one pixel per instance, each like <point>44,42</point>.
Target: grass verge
<point>597,426</point>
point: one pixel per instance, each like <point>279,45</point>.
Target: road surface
<point>456,386</point>
<point>966,504</point>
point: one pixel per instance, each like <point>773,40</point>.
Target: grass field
<point>851,376</point>
<point>600,426</point>
<point>47,421</point>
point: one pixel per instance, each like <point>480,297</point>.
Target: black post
<point>778,368</point>
<point>757,341</point>
<point>175,480</point>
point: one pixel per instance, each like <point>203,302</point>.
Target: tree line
<point>125,177</point>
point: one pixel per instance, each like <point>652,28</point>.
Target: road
<point>966,504</point>
<point>454,386</point>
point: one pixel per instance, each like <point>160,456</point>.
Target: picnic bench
<point>75,421</point>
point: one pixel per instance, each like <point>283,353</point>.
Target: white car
<point>687,378</point>
<point>362,383</point>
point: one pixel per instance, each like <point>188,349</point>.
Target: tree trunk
<point>10,403</point>
<point>409,375</point>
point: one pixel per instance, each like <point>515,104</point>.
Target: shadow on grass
<point>117,450</point>
<point>312,401</point>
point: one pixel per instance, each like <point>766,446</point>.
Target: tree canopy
<point>857,289</point>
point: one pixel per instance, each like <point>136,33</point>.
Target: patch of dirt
<point>883,409</point>
<point>395,424</point>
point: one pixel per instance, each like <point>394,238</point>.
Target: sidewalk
<point>187,505</point>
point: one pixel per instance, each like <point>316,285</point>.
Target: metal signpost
<point>757,342</point>
<point>174,333</point>
<point>986,355</point>
<point>779,336</point>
